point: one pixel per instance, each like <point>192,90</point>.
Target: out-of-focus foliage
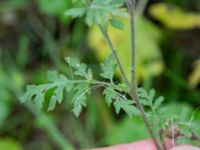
<point>148,56</point>
<point>123,128</point>
<point>181,115</point>
<point>55,8</point>
<point>186,118</point>
<point>11,5</point>
<point>194,77</point>
<point>35,36</point>
<point>52,7</point>
<point>59,83</point>
<point>4,98</point>
<point>9,144</point>
<point>174,17</point>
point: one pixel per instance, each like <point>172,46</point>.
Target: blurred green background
<point>35,36</point>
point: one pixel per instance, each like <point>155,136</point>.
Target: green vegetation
<point>119,53</point>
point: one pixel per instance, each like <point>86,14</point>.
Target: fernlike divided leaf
<point>80,98</point>
<point>108,68</point>
<point>127,106</point>
<point>80,68</point>
<point>110,95</point>
<point>120,101</point>
<point>148,99</point>
<point>37,93</point>
<point>101,12</point>
<point>113,92</point>
<point>59,84</point>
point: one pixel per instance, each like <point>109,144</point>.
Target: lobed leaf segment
<point>148,99</point>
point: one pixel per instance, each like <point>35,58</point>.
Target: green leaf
<point>144,97</point>
<point>80,68</point>
<point>76,12</point>
<point>99,11</point>
<point>58,84</point>
<point>110,95</point>
<point>148,99</point>
<point>158,102</point>
<point>113,94</point>
<point>80,98</point>
<point>90,18</point>
<point>108,68</point>
<point>116,23</point>
<point>57,97</point>
<point>39,98</point>
<point>127,106</point>
<point>151,95</point>
<point>37,93</point>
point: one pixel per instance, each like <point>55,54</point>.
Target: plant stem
<point>114,52</point>
<point>133,93</point>
<point>132,85</point>
<point>145,119</point>
<point>132,28</point>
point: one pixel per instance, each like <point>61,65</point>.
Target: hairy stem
<point>133,93</point>
<point>132,28</point>
<point>132,85</point>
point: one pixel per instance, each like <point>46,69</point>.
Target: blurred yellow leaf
<point>148,57</point>
<point>174,17</point>
<point>194,78</point>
